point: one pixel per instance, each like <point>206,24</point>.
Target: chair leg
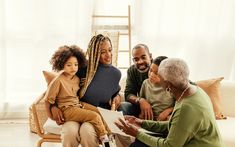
<point>39,144</point>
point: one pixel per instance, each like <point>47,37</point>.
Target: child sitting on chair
<point>63,91</point>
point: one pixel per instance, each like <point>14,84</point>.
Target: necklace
<point>183,93</point>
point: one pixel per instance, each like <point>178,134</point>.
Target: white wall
<point>202,32</point>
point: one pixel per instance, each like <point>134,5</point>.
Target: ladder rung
<point>109,16</point>
<point>110,27</point>
<point>123,67</point>
<point>123,51</point>
<point>123,34</point>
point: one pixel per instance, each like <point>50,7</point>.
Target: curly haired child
<point>63,90</point>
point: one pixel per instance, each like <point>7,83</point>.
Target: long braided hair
<point>93,54</point>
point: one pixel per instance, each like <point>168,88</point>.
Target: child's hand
<point>165,114</point>
<point>162,116</point>
<point>153,78</point>
<point>57,115</point>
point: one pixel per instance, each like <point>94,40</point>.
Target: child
<point>162,102</point>
<point>63,90</point>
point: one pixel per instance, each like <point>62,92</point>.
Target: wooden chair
<point>38,119</point>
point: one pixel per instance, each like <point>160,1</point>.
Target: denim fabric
<point>138,143</point>
<point>129,109</point>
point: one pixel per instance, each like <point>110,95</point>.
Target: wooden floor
<point>16,133</point>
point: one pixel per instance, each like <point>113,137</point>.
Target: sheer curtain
<point>200,31</point>
<point>30,31</point>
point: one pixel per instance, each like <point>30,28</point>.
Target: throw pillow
<point>49,76</point>
<point>50,126</point>
<point>212,88</point>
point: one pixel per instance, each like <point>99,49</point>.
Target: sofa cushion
<point>212,88</point>
<point>228,97</point>
<point>227,132</point>
<point>49,76</point>
<point>50,126</point>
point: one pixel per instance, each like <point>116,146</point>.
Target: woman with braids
<point>99,85</point>
<point>63,90</point>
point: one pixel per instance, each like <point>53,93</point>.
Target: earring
<point>168,89</point>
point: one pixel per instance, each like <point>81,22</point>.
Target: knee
<point>88,135</point>
<point>87,130</point>
<point>125,107</point>
<point>69,133</point>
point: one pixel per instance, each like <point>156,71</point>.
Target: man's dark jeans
<point>128,108</point>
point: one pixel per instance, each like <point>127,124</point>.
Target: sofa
<point>222,94</point>
<point>227,126</point>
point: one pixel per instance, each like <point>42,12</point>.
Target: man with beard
<point>136,74</point>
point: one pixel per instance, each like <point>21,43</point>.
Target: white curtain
<point>31,30</point>
<point>200,31</point>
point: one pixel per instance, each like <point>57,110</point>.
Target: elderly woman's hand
<point>127,127</point>
<point>133,120</point>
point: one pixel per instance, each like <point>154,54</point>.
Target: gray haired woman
<point>192,123</point>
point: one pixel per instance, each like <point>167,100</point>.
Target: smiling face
<point>105,52</point>
<point>71,66</point>
<point>141,59</point>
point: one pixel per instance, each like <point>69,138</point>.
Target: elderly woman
<point>192,123</point>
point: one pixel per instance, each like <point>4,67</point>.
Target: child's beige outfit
<point>63,91</point>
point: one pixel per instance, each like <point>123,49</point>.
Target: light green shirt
<point>192,125</point>
<point>158,98</point>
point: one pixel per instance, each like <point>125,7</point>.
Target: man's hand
<point>146,109</point>
<point>57,115</point>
